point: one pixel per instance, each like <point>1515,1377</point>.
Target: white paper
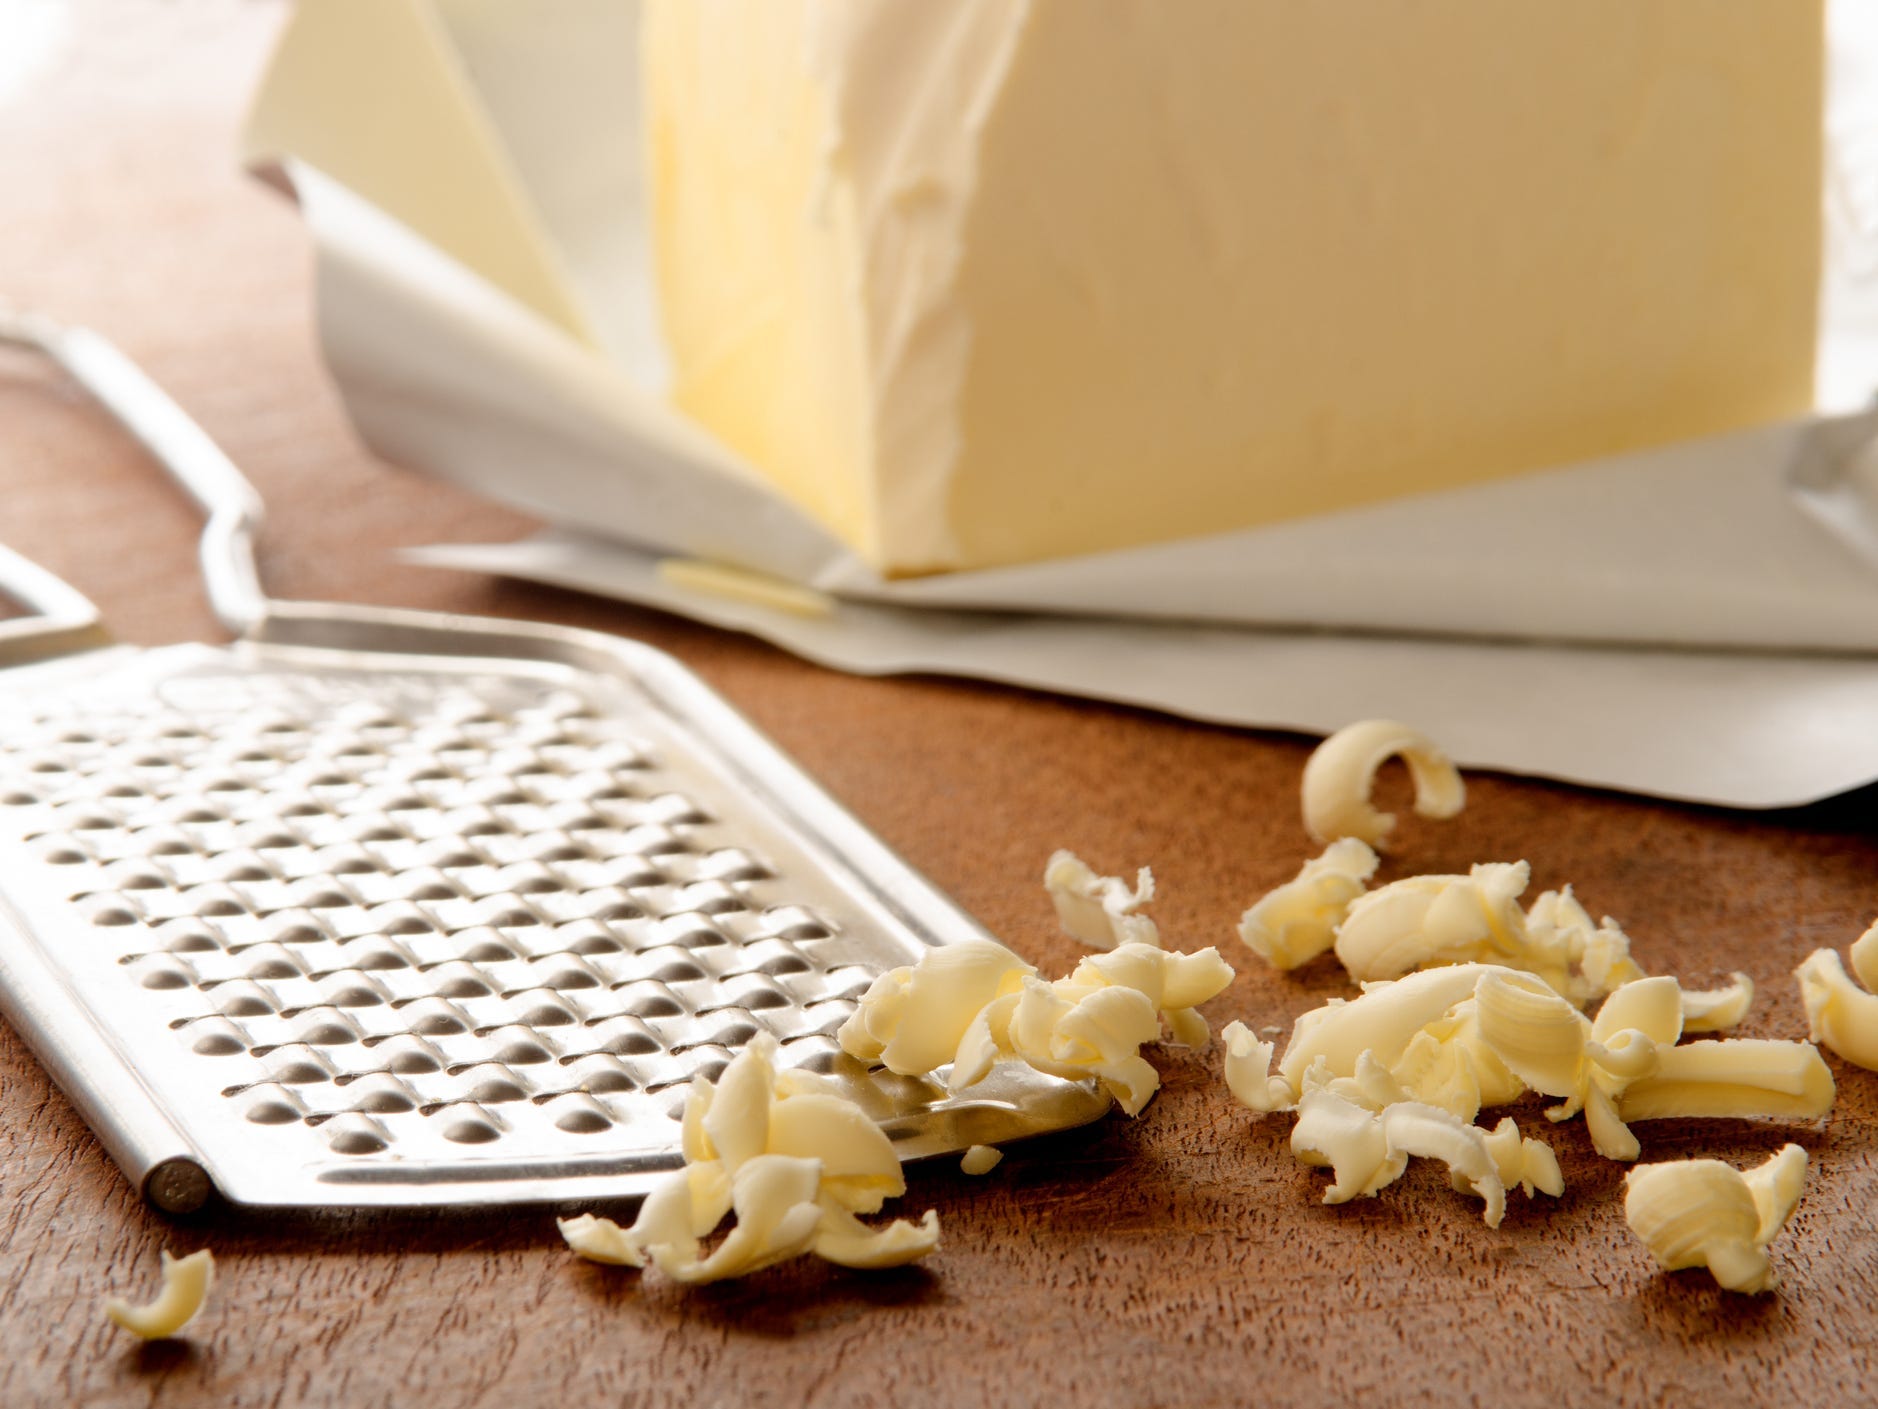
<point>1731,728</point>
<point>1754,542</point>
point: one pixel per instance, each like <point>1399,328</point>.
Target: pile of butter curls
<point>1469,1000</point>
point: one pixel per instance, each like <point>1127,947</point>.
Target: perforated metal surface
<point>396,926</point>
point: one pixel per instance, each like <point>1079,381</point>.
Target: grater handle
<point>230,502</point>
<point>63,618</point>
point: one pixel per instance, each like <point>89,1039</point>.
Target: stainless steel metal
<point>63,618</point>
<point>231,506</point>
<point>379,907</point>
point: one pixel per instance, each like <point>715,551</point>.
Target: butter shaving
<point>1864,956</point>
<point>1341,774</point>
<point>1471,1035</point>
<point>1703,1213</point>
<point>1427,920</point>
<point>1101,911</point>
<point>796,1164</point>
<point>186,1283</point>
<point>1717,1009</point>
<point>1298,920</point>
<point>911,1019</point>
<point>1090,1025</point>
<point>1842,1016</point>
<point>1367,1132</point>
<point>981,1159</point>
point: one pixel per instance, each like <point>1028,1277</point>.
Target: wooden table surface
<point>1182,1257</point>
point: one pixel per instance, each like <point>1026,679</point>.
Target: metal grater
<point>377,907</point>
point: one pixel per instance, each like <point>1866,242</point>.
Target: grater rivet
<point>178,1186</point>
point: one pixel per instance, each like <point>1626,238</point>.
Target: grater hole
<point>357,1142</point>
<point>218,1044</point>
<point>438,1025</point>
<point>783,964</point>
<point>464,986</point>
<point>272,1112</point>
<point>470,1132</point>
<point>695,932</point>
<point>522,1053</point>
<point>616,910</point>
<point>596,944</point>
<point>244,1005</point>
<point>319,896</point>
<point>654,1005</point>
<point>241,867</point>
<point>548,1015</point>
<point>759,999</point>
<point>604,1079</point>
<point>805,929</point>
<point>571,980</point>
<point>414,1064</point>
<point>730,1034</point>
<point>586,1120</point>
<point>495,1090</point>
<point>631,1044</point>
<point>678,971</point>
<point>489,951</point>
<point>385,1101</point>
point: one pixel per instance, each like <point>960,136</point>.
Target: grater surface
<point>376,907</point>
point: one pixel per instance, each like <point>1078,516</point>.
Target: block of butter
<point>993,281</point>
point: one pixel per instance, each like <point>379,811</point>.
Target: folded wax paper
<point>1698,621</point>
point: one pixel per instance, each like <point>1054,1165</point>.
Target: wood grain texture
<point>1182,1257</point>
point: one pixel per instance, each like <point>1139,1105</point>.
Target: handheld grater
<point>379,907</point>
